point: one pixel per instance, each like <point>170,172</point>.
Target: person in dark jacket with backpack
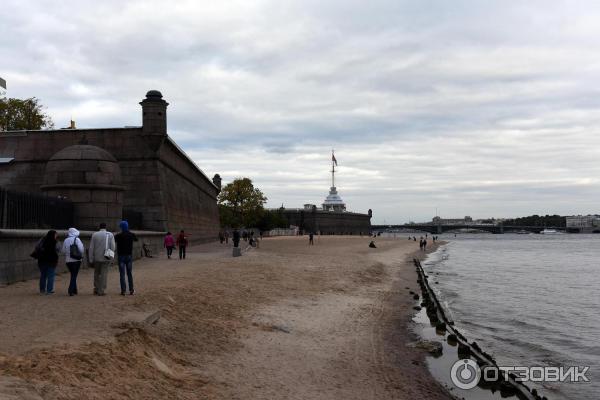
<point>124,241</point>
<point>47,251</point>
<point>73,251</point>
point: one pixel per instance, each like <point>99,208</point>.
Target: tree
<point>241,204</point>
<point>28,114</point>
<point>537,220</point>
<point>271,220</point>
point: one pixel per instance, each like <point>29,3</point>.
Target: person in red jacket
<point>169,244</point>
<point>182,243</point>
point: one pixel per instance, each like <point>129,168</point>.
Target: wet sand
<point>286,321</point>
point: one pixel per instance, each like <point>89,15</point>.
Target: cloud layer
<point>476,108</point>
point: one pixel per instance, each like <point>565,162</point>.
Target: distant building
<point>452,221</point>
<point>583,223</point>
<point>332,218</point>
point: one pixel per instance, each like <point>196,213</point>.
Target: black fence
<point>34,211</point>
<point>134,219</point>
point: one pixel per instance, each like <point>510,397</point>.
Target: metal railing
<point>34,211</point>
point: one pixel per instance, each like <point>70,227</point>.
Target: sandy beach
<point>285,321</point>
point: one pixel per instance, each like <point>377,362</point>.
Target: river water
<point>530,300</point>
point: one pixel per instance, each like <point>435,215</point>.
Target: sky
<point>479,108</point>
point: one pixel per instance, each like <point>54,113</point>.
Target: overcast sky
<point>480,108</point>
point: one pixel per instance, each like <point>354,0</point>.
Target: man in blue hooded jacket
<point>124,240</point>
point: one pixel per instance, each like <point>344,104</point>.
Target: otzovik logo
<point>466,374</point>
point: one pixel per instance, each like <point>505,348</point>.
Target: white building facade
<point>583,223</point>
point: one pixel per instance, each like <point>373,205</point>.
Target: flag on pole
<point>333,159</point>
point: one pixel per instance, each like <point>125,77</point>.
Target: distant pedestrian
<point>73,251</point>
<point>245,236</point>
<point>221,237</point>
<point>425,245</point>
<point>311,239</point>
<point>421,243</point>
<point>47,251</point>
<point>182,243</point>
<point>169,244</point>
<point>236,238</point>
<point>226,237</point>
<point>101,254</point>
<point>124,241</point>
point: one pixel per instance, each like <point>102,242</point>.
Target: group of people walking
<point>171,243</point>
<point>237,236</point>
<point>423,241</point>
<point>104,246</point>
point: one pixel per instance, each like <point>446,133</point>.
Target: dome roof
<point>83,152</point>
<point>154,95</point>
<point>83,165</point>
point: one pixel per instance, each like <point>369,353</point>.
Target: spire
<point>333,202</point>
<point>333,165</point>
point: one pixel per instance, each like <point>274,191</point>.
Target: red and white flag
<point>333,159</point>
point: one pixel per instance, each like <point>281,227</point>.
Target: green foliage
<point>271,220</point>
<point>241,204</point>
<point>537,220</point>
<point>28,114</point>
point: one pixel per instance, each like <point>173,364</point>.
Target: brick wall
<point>161,181</point>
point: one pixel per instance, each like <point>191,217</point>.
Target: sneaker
<point>131,292</point>
<point>49,292</point>
<point>122,293</point>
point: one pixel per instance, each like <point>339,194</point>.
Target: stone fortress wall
<point>158,178</point>
<point>328,222</point>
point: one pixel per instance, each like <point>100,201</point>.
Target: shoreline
<point>442,327</point>
<point>284,321</point>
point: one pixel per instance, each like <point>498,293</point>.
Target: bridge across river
<point>441,228</point>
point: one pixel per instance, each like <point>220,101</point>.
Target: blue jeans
<point>74,270</point>
<point>126,265</point>
<point>47,274</point>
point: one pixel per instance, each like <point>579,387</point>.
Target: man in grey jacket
<point>99,243</point>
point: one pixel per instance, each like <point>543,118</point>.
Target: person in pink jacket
<point>169,244</point>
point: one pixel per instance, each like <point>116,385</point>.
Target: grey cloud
<point>485,109</point>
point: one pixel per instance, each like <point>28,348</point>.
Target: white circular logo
<point>465,374</point>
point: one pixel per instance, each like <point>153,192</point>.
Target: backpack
<point>37,251</point>
<point>74,252</point>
